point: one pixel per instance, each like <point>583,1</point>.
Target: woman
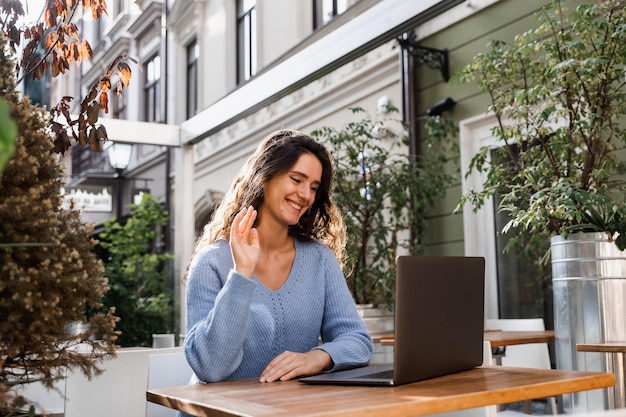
<point>265,282</point>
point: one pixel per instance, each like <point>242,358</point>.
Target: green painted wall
<point>464,40</point>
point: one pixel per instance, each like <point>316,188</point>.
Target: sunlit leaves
<point>124,73</point>
<point>53,45</point>
<point>85,129</point>
<point>8,133</point>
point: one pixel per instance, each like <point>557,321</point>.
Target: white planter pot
<point>163,340</point>
<point>378,320</point>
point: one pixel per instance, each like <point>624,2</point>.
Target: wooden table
<point>379,337</point>
<point>483,386</point>
<point>615,362</point>
<point>499,338</point>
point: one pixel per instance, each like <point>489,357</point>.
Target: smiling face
<point>289,195</point>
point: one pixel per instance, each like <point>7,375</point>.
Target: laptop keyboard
<point>378,375</point>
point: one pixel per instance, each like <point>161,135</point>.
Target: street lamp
<point>119,158</point>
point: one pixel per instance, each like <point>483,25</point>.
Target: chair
<point>534,355</point>
<point>490,411</point>
<point>166,370</point>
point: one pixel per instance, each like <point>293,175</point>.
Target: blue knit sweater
<point>236,326</point>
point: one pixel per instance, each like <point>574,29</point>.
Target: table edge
<point>592,380</point>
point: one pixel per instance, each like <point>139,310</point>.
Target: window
<point>514,286</point>
<point>246,40</point>
<point>98,29</point>
<point>193,53</point>
<point>325,10</point>
<point>118,103</point>
<point>82,159</point>
<point>120,7</point>
<point>151,90</point>
<point>524,285</point>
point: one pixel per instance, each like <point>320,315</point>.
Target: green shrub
<point>138,274</point>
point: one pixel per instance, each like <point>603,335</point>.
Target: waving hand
<point>244,242</point>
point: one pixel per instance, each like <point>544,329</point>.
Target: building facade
<point>218,75</point>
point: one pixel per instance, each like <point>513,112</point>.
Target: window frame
<point>246,40</point>
<point>193,56</point>
<point>325,11</point>
<point>151,89</point>
<point>119,104</point>
<point>479,226</point>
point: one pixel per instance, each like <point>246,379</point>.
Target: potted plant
<point>51,279</point>
<point>50,276</point>
<point>383,193</point>
<point>558,94</point>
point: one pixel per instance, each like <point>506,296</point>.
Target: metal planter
<point>589,284</point>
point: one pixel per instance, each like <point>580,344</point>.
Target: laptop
<point>439,319</point>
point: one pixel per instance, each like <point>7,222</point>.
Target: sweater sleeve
<point>344,335</point>
<point>218,307</point>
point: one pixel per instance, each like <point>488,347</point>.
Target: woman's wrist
<point>244,272</point>
<point>324,358</point>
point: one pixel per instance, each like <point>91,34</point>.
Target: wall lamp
<point>119,155</point>
<point>442,105</point>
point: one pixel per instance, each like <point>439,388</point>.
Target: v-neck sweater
<point>236,325</point>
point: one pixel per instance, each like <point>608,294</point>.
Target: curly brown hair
<point>275,155</point>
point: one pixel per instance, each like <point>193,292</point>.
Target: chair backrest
<point>487,353</point>
<point>534,355</point>
<point>488,411</point>
<point>167,370</point>
<point>119,391</point>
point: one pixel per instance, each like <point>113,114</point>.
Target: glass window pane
<point>151,90</point>
<point>328,11</point>
<point>193,52</point>
<point>524,283</point>
<point>248,4</point>
<point>246,40</point>
<point>253,45</point>
<point>342,5</point>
